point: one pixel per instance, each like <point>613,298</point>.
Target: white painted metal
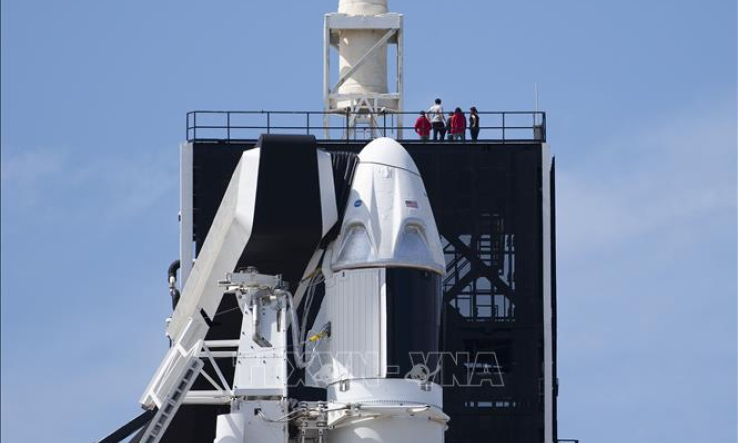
<point>353,46</point>
<point>361,32</point>
<point>207,397</point>
<point>186,348</point>
<point>387,411</point>
<point>548,363</point>
<point>388,221</point>
<point>362,7</point>
<point>261,370</point>
<point>389,391</point>
<point>339,22</point>
<point>391,425</point>
<point>260,380</point>
<point>354,308</point>
<point>186,252</point>
<point>227,238</point>
<point>169,405</point>
<point>179,370</point>
<point>253,422</point>
<point>363,46</point>
<point>350,81</point>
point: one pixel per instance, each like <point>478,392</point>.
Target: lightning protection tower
<point>361,32</point>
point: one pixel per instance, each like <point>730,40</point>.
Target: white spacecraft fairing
<point>359,322</point>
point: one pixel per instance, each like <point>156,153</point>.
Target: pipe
<point>172,280</point>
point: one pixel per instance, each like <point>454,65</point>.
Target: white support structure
<point>361,32</point>
<point>186,223</point>
<point>260,381</point>
<point>549,384</point>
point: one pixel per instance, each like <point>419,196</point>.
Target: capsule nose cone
<point>386,151</point>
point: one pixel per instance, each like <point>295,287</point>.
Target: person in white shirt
<point>438,120</point>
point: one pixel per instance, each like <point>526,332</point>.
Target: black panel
<point>288,224</point>
<point>129,428</point>
<point>213,166</point>
<point>413,320</point>
<point>194,424</point>
<point>344,166</point>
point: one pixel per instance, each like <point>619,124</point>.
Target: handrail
<point>244,125</point>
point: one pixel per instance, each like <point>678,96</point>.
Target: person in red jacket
<point>458,125</point>
<point>423,127</point>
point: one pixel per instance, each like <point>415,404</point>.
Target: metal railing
<point>249,125</point>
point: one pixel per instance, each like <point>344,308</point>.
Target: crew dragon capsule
<point>333,264</point>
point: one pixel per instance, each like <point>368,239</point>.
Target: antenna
<point>535,116</point>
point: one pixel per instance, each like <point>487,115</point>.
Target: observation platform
<point>495,127</point>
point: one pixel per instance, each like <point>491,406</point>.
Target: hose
<point>299,334</point>
<point>172,280</point>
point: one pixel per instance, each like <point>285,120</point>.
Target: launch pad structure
<point>417,278</point>
<point>493,201</point>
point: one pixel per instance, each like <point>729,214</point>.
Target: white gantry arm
<point>173,380</point>
<point>202,294</point>
<point>226,240</point>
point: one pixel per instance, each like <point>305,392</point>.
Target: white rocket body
<point>388,224</point>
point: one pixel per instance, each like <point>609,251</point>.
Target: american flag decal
<point>411,204</point>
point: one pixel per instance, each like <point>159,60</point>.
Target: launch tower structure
<point>361,32</point>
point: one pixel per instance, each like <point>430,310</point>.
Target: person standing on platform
<point>474,123</point>
<point>458,125</point>
<point>437,120</point>
<point>423,127</point>
<point>448,128</point>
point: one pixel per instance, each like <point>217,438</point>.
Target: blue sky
<point>641,102</point>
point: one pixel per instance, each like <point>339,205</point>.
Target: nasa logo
<point>357,203</point>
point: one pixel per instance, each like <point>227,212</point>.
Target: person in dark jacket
<point>423,127</point>
<point>473,123</point>
<point>458,125</point>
